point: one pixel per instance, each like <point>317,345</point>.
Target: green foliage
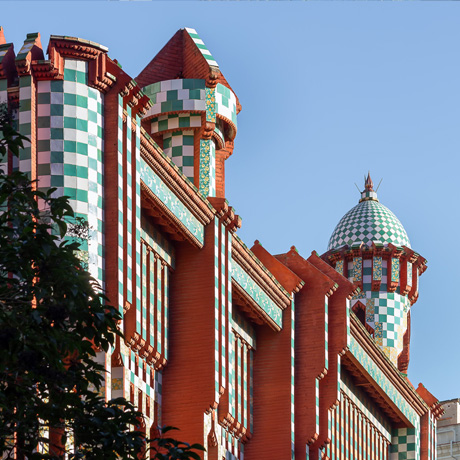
<point>166,448</point>
<point>52,319</point>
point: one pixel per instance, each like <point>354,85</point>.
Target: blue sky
<point>329,91</point>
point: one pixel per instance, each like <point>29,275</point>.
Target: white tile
<point>57,169</point>
<point>82,90</point>
<point>176,141</point>
<point>70,111</point>
<point>161,97</point>
<point>70,87</point>
<point>44,181</point>
<point>189,104</point>
<point>166,85</point>
<point>44,86</point>
<point>188,150</point>
<point>183,94</point>
<point>57,145</point>
<point>43,158</point>
<point>70,181</point>
<point>25,93</point>
<point>43,110</point>
<point>173,123</point>
<point>43,133</point>
<point>177,161</point>
<point>24,117</point>
<point>188,171</point>
<point>70,64</point>
<point>82,113</point>
<point>177,84</point>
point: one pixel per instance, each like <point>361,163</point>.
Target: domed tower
<point>371,248</point>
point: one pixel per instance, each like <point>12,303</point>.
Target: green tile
<point>57,157</point>
<point>70,122</point>
<point>187,161</point>
<point>177,151</point>
<point>82,101</point>
<point>82,125</point>
<point>70,99</point>
<point>171,95</point>
<point>43,98</point>
<point>57,110</point>
<point>57,133</point>
<point>57,86</point>
<point>70,75</point>
<point>43,145</point>
<point>188,140</point>
<point>82,148</point>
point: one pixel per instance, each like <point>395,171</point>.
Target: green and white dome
<point>369,221</point>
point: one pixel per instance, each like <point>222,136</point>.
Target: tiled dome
<point>368,221</point>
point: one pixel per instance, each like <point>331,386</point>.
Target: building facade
<point>254,355</point>
<point>448,433</point>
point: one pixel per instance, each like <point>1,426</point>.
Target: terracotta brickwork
<point>254,355</point>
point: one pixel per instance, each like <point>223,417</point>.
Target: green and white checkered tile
<point>69,151</point>
<point>175,121</point>
<point>404,444</point>
<point>179,146</point>
<point>25,120</point>
<point>176,95</point>
<point>368,221</point>
<point>226,103</point>
<point>201,46</point>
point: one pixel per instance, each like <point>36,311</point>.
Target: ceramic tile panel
<point>394,270</point>
<point>339,266</point>
<point>207,167</point>
<point>170,200</point>
<point>257,294</point>
<point>377,268</point>
<point>380,378</point>
<point>357,269</point>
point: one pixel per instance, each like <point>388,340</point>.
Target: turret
<point>193,116</point>
<point>370,247</point>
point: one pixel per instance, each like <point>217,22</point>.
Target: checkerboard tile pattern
<point>69,152</point>
<point>368,221</point>
<point>175,121</point>
<point>179,146</point>
<point>176,95</point>
<point>226,103</point>
<point>404,445</point>
<point>386,312</point>
<point>25,122</point>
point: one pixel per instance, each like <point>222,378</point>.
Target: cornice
<point>386,366</point>
<point>259,272</point>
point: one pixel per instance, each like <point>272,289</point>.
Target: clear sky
<point>329,91</point>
